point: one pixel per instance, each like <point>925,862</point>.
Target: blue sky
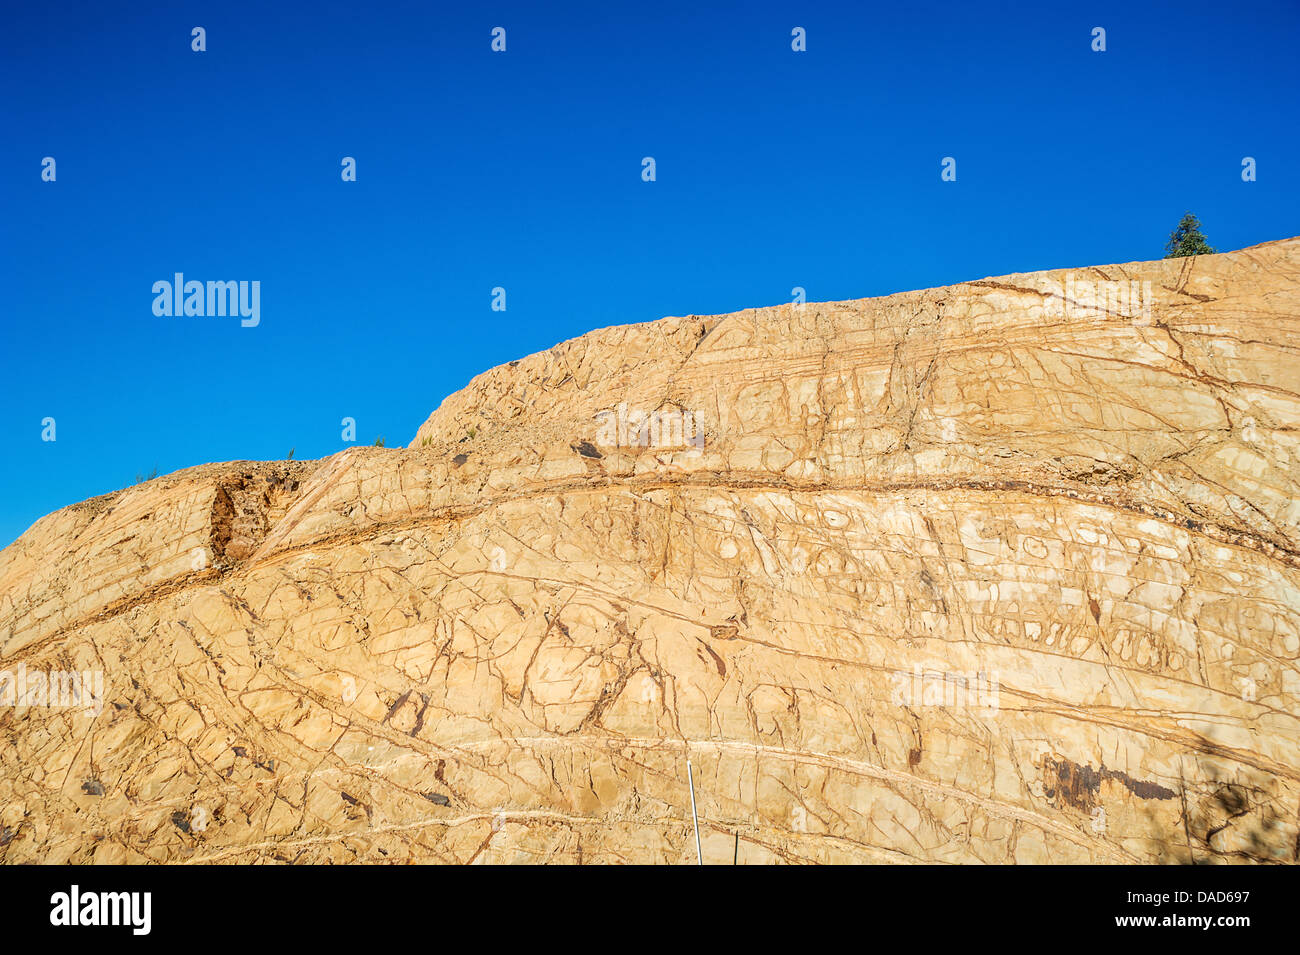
<point>522,169</point>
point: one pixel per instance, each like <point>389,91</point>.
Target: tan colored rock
<point>503,643</point>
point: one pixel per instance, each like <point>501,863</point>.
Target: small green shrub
<point>1187,239</point>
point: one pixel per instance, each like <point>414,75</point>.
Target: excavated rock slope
<point>998,572</point>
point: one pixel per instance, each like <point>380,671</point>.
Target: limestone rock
<point>1002,572</point>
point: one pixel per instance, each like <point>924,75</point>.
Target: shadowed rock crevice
<point>246,506</point>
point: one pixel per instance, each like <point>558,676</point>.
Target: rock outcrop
<point>1002,572</point>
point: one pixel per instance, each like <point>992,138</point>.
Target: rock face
<point>1002,572</point>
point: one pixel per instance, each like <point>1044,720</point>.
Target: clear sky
<point>523,170</point>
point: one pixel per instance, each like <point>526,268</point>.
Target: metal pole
<point>690,779</point>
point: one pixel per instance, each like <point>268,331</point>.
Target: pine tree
<point>1187,239</point>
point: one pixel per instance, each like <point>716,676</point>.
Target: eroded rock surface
<point>504,642</point>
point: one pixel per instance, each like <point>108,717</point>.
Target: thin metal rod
<point>690,779</point>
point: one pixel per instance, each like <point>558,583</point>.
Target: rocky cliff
<point>1002,572</point>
